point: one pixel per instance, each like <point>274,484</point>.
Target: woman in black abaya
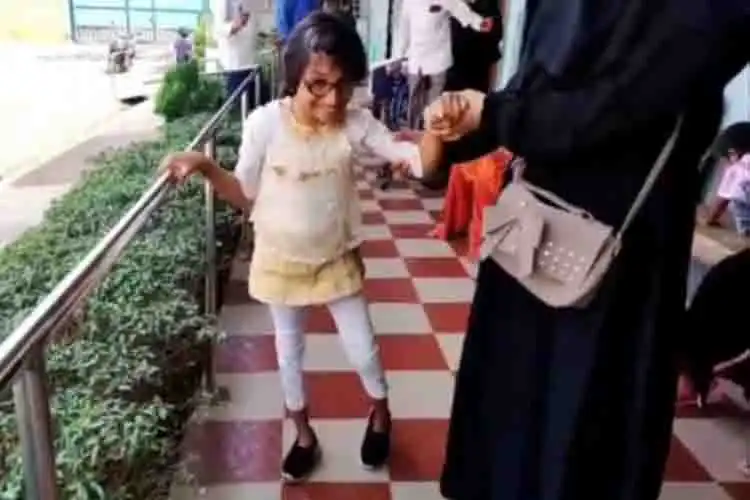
<point>578,404</point>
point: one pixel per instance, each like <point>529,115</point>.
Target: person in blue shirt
<point>291,12</point>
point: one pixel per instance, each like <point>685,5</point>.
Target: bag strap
<point>650,181</point>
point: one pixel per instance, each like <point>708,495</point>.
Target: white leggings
<point>357,337</point>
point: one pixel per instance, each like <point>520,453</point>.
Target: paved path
<point>24,199</point>
<point>419,290</point>
<point>53,97</point>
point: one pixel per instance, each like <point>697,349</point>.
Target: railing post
<point>211,264</point>
<point>31,395</point>
<point>257,82</point>
<point>243,104</point>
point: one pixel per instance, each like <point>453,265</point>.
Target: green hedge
<point>184,91</point>
<point>125,373</point>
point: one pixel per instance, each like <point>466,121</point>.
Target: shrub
<point>125,374</point>
<point>185,91</point>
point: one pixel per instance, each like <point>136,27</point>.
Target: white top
<point>424,37</point>
<point>307,207</point>
<point>237,51</point>
<point>735,183</point>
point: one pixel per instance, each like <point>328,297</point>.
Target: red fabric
<point>472,186</point>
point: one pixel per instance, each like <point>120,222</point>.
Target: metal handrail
<point>22,351</point>
<point>22,359</point>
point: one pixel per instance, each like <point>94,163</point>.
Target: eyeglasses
<point>321,88</point>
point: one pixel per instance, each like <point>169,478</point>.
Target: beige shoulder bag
<point>558,252</point>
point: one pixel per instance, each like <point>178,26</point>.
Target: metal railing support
<point>31,396</point>
<point>212,272</point>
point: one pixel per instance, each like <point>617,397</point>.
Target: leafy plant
<point>202,37</point>
<point>185,91</point>
<point>124,375</point>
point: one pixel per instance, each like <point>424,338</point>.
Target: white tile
<point>718,444</point>
<point>363,184</point>
<point>253,396</point>
<point>416,491</point>
<point>424,247</point>
<point>444,290</point>
<point>420,394</point>
<point>240,270</point>
<point>375,232</point>
<point>369,206</point>
<point>242,491</point>
<point>451,344</point>
<point>432,204</point>
<point>399,318</point>
<point>340,440</point>
<point>323,353</point>
<point>246,319</point>
<point>407,217</point>
<point>471,266</point>
<point>385,268</point>
<point>693,491</point>
<point>395,194</point>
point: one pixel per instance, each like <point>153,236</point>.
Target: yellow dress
<point>306,217</point>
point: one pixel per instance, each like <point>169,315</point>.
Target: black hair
<point>323,33</point>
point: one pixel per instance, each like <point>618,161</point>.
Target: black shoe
<point>300,462</point>
<point>376,446</point>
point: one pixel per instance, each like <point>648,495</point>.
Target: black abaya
<point>577,404</point>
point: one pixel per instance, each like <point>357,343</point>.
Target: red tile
<point>719,406</point>
<point>337,491</point>
<point>429,193</point>
<point>379,249</point>
<point>412,230</point>
<point>682,466</point>
<point>234,452</point>
<point>336,395</point>
<point>390,290</point>
<point>448,318</point>
<point>401,204</point>
<point>319,320</point>
<point>443,267</point>
<point>411,352</point>
<point>373,218</point>
<point>235,293</point>
<point>241,354</point>
<point>366,194</point>
<point>418,449</point>
<point>738,491</point>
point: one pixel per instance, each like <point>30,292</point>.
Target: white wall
<point>737,99</point>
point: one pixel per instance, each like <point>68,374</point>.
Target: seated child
<point>734,194</point>
<point>296,162</point>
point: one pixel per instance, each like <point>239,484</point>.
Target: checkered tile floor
<point>419,290</point>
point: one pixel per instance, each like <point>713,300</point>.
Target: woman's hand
<point>455,114</point>
<point>182,166</point>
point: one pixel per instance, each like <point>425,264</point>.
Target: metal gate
<point>146,20</point>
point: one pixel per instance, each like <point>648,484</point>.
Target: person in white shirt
<point>236,34</point>
<point>424,38</point>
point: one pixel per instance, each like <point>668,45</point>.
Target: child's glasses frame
<point>321,88</point>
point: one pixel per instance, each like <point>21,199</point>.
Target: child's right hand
<point>182,166</point>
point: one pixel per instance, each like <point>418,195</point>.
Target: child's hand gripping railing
<point>22,352</point>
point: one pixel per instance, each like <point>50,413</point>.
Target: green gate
<point>146,20</point>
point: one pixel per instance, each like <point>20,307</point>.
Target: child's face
<point>323,91</point>
<point>733,156</point>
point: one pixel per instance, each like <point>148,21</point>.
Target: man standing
<point>291,12</point>
<point>424,38</point>
<point>236,35</point>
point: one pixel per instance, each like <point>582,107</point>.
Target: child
<point>296,161</point>
<point>183,47</point>
<point>734,193</point>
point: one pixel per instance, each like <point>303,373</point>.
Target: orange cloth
<point>472,186</point>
